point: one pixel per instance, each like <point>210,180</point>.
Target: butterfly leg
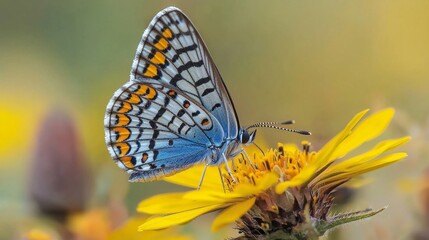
<point>227,168</point>
<point>202,176</point>
<point>243,152</point>
<point>248,158</point>
<point>221,179</point>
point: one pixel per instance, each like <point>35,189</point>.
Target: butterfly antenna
<point>287,122</point>
<point>271,125</point>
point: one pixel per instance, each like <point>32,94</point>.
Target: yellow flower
<point>91,225</point>
<point>37,234</point>
<point>286,191</point>
<point>129,231</point>
<point>97,224</point>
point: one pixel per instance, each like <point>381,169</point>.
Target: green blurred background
<point>318,62</point>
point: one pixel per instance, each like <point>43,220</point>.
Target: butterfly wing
<point>172,51</point>
<point>174,109</point>
<point>153,129</point>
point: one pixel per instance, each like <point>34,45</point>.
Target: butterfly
<point>175,111</point>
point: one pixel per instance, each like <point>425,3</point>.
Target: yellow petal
<point>232,213</point>
<point>376,164</point>
<point>168,203</point>
<point>267,181</point>
<point>370,128</point>
<point>212,196</point>
<point>161,222</point>
<point>303,177</point>
<point>243,191</point>
<point>364,168</point>
<point>192,176</point>
<point>324,155</point>
<point>362,158</point>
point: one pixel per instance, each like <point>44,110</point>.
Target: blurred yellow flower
<point>129,232</point>
<point>37,234</point>
<point>98,224</point>
<point>287,190</point>
<point>91,225</point>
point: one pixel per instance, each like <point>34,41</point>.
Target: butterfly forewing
<point>172,51</point>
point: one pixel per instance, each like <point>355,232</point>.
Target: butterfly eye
<point>246,138</point>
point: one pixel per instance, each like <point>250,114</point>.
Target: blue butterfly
<point>175,111</point>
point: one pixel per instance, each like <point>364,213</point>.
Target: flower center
<point>286,161</point>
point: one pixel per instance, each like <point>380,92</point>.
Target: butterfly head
<point>246,137</point>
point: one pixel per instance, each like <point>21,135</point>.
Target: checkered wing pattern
<point>175,109</point>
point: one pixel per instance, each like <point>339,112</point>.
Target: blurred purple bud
<point>59,178</point>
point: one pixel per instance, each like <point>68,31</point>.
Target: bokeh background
<point>318,62</point>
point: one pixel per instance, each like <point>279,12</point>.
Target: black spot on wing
<point>207,91</point>
<point>155,134</point>
<point>151,144</point>
<point>155,154</point>
<point>153,124</point>
<point>171,121</point>
<point>181,128</point>
<point>166,101</point>
<point>202,81</point>
<point>190,64</point>
<point>180,113</point>
<point>215,106</point>
<point>159,114</point>
<point>194,114</point>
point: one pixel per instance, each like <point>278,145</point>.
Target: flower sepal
<point>335,221</point>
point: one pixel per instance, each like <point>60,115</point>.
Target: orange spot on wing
<point>162,44</point>
<point>127,161</point>
<point>151,71</point>
<point>123,148</point>
<point>141,90</point>
<point>145,157</point>
<point>171,93</point>
<point>152,94</point>
<point>134,99</point>
<point>123,133</point>
<point>158,58</point>
<point>167,33</point>
<point>205,122</point>
<point>122,119</point>
<point>147,92</point>
<point>126,107</point>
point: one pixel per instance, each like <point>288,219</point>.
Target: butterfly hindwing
<point>150,125</point>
